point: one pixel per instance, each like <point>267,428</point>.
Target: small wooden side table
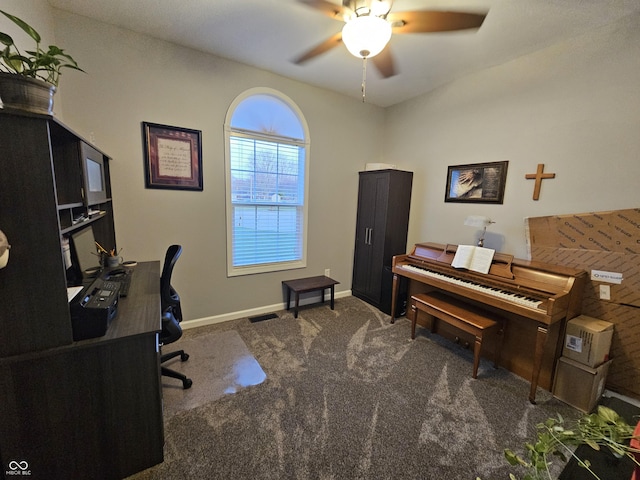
<point>310,284</point>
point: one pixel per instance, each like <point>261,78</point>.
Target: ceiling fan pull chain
<point>364,77</point>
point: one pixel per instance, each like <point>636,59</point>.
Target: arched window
<point>266,159</point>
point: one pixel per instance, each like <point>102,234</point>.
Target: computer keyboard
<point>122,276</point>
<point>124,284</point>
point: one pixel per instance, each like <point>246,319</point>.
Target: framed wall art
<point>173,157</point>
<point>476,183</point>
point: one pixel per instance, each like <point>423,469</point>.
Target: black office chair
<point>171,316</point>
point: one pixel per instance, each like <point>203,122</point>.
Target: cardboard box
<point>612,231</point>
<point>579,385</point>
<point>605,244</point>
<point>378,166</point>
<point>625,266</point>
<point>624,374</point>
<point>588,340</point>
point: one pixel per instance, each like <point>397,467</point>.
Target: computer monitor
<point>84,245</point>
<point>93,165</point>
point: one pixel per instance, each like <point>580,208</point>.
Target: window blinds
<point>267,195</point>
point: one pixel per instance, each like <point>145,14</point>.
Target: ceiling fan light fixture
<point>366,36</point>
<point>380,8</point>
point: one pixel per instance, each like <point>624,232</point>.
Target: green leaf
<point>15,65</point>
<point>68,57</point>
<point>6,39</point>
<point>608,414</point>
<point>513,458</point>
<point>592,444</point>
<point>17,62</point>
<point>541,447</point>
<point>23,25</point>
<point>73,67</point>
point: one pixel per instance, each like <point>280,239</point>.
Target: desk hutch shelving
<point>87,409</point>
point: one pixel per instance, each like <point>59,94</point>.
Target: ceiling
<point>269,34</point>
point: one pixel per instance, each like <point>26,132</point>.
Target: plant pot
<point>26,94</point>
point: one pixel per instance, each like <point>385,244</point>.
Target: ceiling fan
<point>369,25</point>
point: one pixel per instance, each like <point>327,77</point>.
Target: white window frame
<point>229,131</point>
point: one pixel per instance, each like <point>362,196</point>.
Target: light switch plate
<point>605,292</point>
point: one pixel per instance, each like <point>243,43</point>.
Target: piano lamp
<point>479,221</point>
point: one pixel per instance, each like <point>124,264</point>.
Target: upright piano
<point>535,298</point>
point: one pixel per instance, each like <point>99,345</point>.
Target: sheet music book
<point>473,258</point>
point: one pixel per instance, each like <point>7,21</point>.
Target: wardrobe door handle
<point>370,235</point>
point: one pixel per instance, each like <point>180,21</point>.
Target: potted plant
<point>29,79</point>
<point>555,438</point>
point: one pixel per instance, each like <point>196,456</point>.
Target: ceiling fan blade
<point>384,63</point>
<point>325,46</point>
<point>329,9</point>
<point>425,21</point>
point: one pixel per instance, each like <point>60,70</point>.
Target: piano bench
<point>464,317</point>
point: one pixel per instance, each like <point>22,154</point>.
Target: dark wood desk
<point>310,284</point>
<point>91,409</point>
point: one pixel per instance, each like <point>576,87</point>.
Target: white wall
<point>575,107</point>
<point>133,78</point>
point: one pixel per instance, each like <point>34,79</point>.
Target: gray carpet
<point>347,395</point>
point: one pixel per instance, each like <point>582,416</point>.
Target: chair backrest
<point>168,296</point>
<point>171,329</point>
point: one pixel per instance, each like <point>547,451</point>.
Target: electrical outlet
<point>605,292</point>
<point>327,272</point>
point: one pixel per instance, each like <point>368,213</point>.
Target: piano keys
<point>526,300</point>
<point>536,298</point>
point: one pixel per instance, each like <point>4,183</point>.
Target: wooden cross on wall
<point>538,176</point>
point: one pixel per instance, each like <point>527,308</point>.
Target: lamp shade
<point>477,221</point>
<point>366,36</point>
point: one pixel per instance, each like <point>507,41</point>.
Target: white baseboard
<point>632,401</point>
<point>202,322</point>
